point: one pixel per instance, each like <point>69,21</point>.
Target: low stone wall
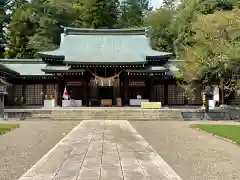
<point>211,115</point>
<point>234,112</point>
<point>23,114</point>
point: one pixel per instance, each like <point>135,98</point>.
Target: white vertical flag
<point>65,94</point>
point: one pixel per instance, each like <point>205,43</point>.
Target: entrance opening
<point>106,95</point>
<point>75,92</point>
<point>105,92</point>
<point>107,83</point>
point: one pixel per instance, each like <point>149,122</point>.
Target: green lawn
<point>7,127</point>
<point>231,132</point>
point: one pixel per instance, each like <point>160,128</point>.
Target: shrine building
<point>97,67</point>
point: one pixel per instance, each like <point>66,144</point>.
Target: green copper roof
<point>24,67</point>
<point>88,31</point>
<point>27,69</point>
<point>3,68</point>
<point>56,68</point>
<point>170,69</point>
<point>105,46</point>
<point>48,69</point>
<point>150,69</point>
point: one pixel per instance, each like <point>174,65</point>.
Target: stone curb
<point>219,137</point>
<point>46,156</point>
<point>168,170</point>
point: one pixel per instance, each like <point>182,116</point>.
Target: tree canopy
<point>99,13</point>
<point>133,12</point>
<point>36,25</point>
<point>160,30</point>
<point>203,33</point>
<point>215,57</point>
<point>2,26</point>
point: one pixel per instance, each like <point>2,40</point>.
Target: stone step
<point>113,117</point>
<point>110,117</point>
<point>110,114</point>
<point>132,119</point>
<point>90,114</point>
<point>86,117</point>
<point>106,118</point>
<point>106,114</point>
<point>110,111</point>
<point>130,115</point>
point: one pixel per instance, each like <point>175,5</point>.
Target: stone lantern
<point>208,95</point>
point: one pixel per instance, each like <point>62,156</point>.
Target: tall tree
<point>187,13</point>
<point>2,25</point>
<point>169,4</point>
<point>99,13</point>
<point>160,33</point>
<point>215,56</point>
<point>21,27</point>
<point>35,26</point>
<point>133,13</point>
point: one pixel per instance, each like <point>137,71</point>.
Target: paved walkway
<point>102,150</point>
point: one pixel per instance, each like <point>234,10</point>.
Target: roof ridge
<point>90,31</point>
<point>20,61</point>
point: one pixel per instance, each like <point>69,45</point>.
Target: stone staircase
<point>116,114</point>
<point>136,114</point>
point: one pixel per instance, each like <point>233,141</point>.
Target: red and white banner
<point>65,94</point>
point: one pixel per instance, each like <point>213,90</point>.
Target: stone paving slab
<point>102,150</point>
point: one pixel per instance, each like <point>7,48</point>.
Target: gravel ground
<point>192,154</point>
<point>21,148</point>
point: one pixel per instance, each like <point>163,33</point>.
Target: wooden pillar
<point>147,88</point>
<point>118,93</point>
<point>114,95</point>
<point>1,106</point>
<point>151,82</point>
<point>23,98</point>
<point>125,90</point>
<point>44,91</point>
<point>165,93</point>
<point>57,93</point>
<point>60,85</point>
<point>85,90</point>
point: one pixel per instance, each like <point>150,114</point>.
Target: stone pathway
<point>102,150</point>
